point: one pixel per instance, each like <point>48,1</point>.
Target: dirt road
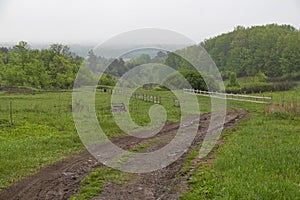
<point>62,179</point>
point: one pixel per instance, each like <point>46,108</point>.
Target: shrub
<point>192,79</point>
<point>256,87</point>
<point>295,76</point>
<point>233,80</point>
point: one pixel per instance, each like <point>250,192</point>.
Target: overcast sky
<point>78,21</point>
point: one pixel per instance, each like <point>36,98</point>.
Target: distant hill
<point>79,49</point>
<point>272,49</point>
<point>108,51</point>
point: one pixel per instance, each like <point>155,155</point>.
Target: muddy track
<point>62,179</point>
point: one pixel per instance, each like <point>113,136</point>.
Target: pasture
<point>43,131</point>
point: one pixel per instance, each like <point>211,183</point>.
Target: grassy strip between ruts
<point>260,160</point>
<point>93,184</point>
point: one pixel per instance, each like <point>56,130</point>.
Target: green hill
<point>272,49</point>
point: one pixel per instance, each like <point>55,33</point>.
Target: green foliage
<point>295,76</point>
<point>184,79</point>
<point>233,80</point>
<point>260,77</point>
<point>192,79</point>
<point>256,87</point>
<point>190,58</point>
<point>177,62</point>
<point>118,67</point>
<point>272,49</point>
<point>107,80</point>
<point>55,67</point>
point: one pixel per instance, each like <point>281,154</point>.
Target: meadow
<point>43,131</point>
<point>258,160</point>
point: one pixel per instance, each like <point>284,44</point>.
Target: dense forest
<point>271,51</point>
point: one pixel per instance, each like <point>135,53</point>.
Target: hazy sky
<point>76,21</point>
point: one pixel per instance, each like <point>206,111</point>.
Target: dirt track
<point>62,179</point>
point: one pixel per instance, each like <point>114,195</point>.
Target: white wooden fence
<point>236,97</point>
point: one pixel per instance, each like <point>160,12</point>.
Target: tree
<point>271,49</point>
<point>55,67</point>
<point>233,80</point>
<point>193,79</point>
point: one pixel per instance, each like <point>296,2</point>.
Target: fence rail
<point>228,96</point>
<point>144,97</point>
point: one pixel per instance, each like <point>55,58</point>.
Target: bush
<point>192,79</point>
<point>256,87</point>
<point>107,80</point>
<point>233,80</point>
<point>287,77</point>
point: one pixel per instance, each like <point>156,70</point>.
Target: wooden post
<point>10,113</point>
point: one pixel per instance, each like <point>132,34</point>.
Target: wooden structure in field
<point>118,107</point>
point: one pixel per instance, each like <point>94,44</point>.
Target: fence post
<point>10,112</point>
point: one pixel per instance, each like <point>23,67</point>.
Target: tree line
<point>271,49</point>
<point>55,67</point>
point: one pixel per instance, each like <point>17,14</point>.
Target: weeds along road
<point>62,179</point>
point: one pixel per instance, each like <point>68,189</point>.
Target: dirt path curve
<point>62,179</point>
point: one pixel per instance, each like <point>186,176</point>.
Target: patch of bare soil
<point>62,179</point>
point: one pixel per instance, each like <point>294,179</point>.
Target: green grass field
<point>42,133</point>
<point>260,159</point>
<point>43,130</point>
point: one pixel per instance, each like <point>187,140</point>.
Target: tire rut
<point>62,179</point>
